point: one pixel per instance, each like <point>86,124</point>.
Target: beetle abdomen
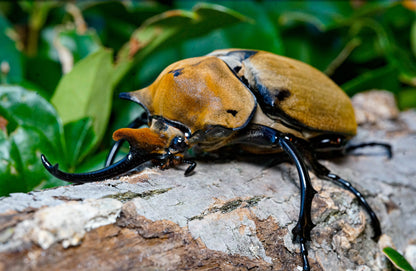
<point>293,92</point>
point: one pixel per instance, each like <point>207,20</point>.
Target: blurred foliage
<point>64,63</point>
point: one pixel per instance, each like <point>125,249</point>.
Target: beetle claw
<point>303,231</point>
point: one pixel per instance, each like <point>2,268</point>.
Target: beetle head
<point>160,140</point>
<point>161,143</point>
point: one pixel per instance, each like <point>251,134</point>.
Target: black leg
<point>324,173</point>
<point>190,169</point>
<point>304,226</point>
<point>371,144</point>
<point>375,223</point>
<point>136,123</point>
<point>267,137</point>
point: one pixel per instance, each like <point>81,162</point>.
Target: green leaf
<point>9,53</point>
<point>80,45</point>
<point>151,66</point>
<point>79,138</point>
<point>38,14</point>
<point>323,16</point>
<point>87,91</point>
<point>94,162</point>
<point>413,38</point>
<point>21,169</point>
<point>304,29</point>
<point>67,37</point>
<point>59,48</point>
<point>307,48</point>
<point>46,77</point>
<point>169,28</point>
<point>372,38</point>
<point>22,107</point>
<point>30,144</point>
<point>10,180</point>
<point>34,127</point>
<point>258,31</point>
<point>381,78</point>
<point>116,20</point>
<point>406,98</point>
<point>379,43</point>
<point>397,259</point>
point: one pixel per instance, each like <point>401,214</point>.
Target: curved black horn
<point>129,162</point>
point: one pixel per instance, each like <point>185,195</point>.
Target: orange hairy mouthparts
<point>144,138</point>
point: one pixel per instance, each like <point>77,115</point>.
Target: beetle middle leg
<point>304,225</point>
<point>267,137</point>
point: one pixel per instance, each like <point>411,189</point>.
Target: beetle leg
<point>260,135</point>
<point>172,160</point>
<point>136,123</point>
<point>190,169</point>
<point>386,146</point>
<point>375,223</point>
<point>324,173</point>
<point>304,225</point>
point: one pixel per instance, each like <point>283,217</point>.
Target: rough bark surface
<point>229,215</point>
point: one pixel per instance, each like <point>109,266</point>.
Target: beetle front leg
<point>304,225</point>
<point>260,135</point>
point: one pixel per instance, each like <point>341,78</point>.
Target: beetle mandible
<point>260,101</point>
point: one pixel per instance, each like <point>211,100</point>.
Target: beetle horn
<point>129,162</point>
<point>140,152</point>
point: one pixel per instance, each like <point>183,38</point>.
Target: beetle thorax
<point>198,92</point>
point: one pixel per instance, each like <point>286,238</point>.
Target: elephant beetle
<point>262,102</point>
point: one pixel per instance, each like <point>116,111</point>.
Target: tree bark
<point>229,215</point>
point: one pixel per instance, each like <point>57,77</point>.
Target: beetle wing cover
<point>296,89</point>
<point>199,92</point>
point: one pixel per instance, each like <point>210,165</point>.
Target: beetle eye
<point>178,144</point>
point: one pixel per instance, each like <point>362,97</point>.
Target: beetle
<point>262,102</point>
